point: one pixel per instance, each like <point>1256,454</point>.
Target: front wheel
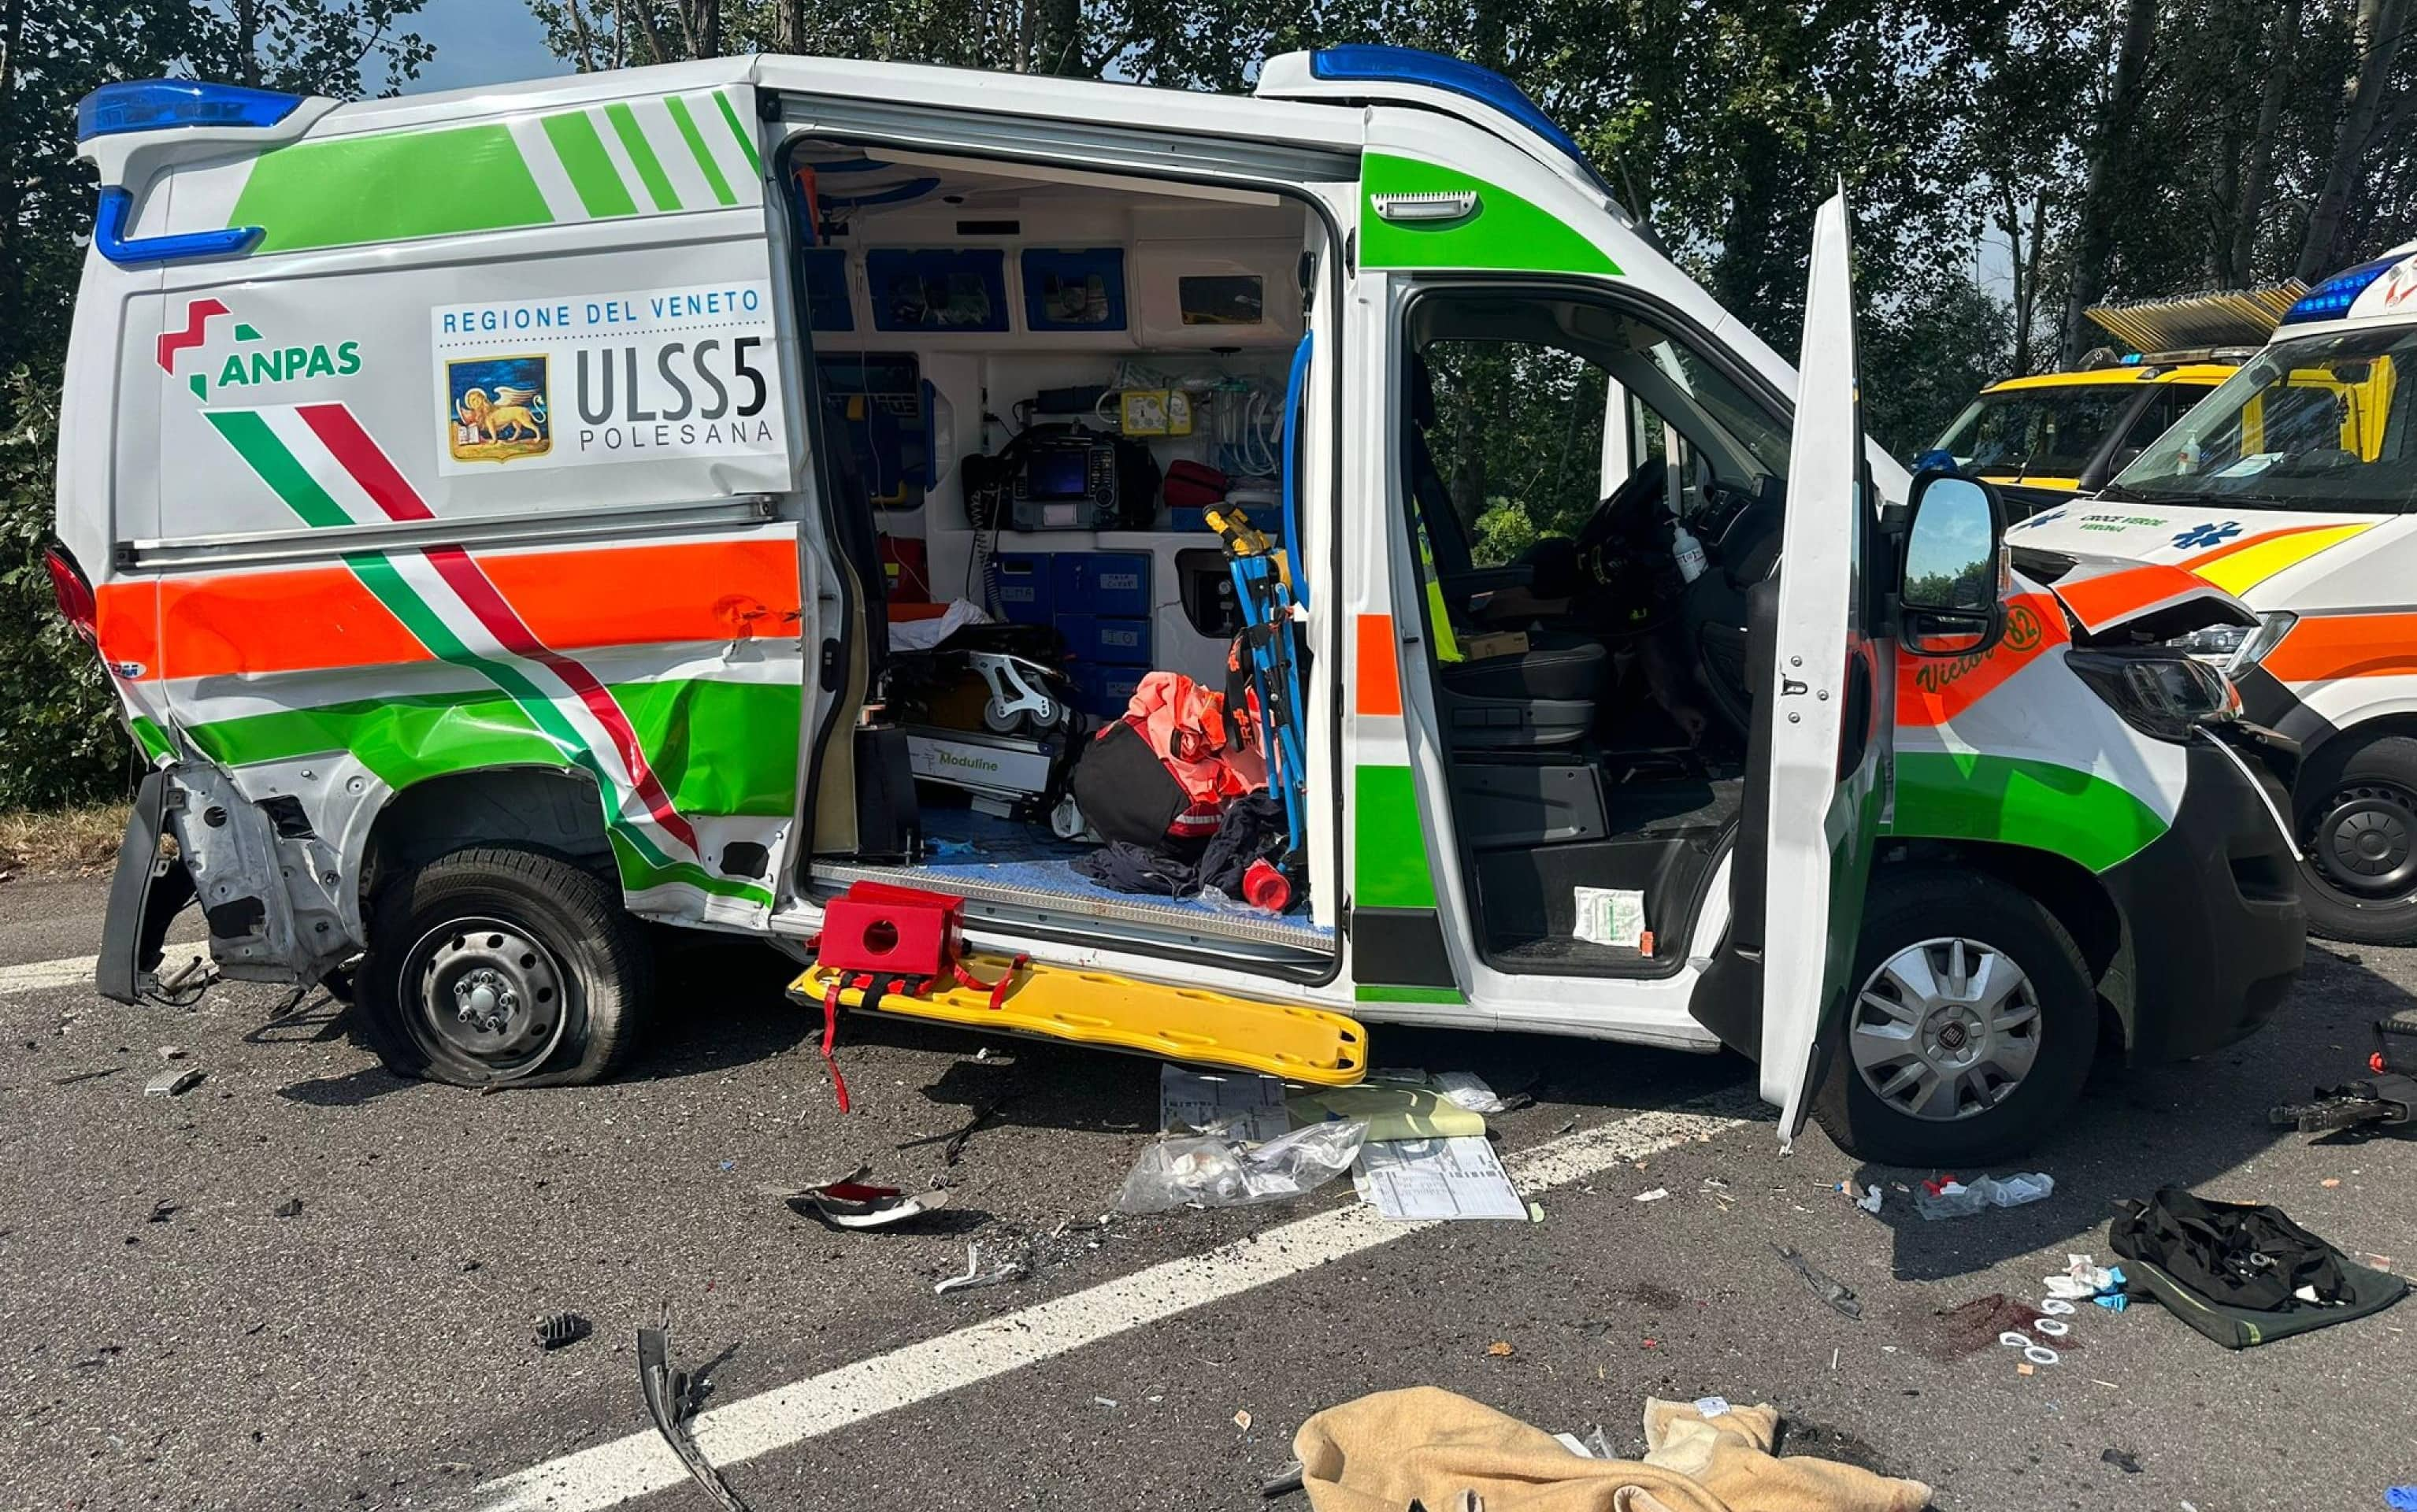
<point>2358,842</point>
<point>1972,1026</point>
<point>493,964</point>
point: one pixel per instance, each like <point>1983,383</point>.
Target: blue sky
<point>481,43</point>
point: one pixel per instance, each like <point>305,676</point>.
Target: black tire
<point>521,924</point>
<point>1910,906</point>
<point>2363,797</point>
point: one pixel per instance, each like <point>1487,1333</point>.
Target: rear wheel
<point>2358,842</point>
<point>494,964</point>
<point>1972,1026</point>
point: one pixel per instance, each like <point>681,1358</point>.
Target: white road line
<point>41,975</point>
<point>640,1464</point>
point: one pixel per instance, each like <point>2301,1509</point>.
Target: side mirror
<point>1950,580</point>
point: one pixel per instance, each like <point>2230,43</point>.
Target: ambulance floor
<point>1007,860</point>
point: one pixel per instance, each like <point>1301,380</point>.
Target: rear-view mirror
<point>1949,587</point>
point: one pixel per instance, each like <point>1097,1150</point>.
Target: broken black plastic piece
<point>563,1330</point>
<point>667,1394</point>
<point>1824,1286</point>
<point>290,1208</point>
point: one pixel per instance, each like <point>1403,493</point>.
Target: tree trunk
<point>2378,34</point>
<point>2258,174</point>
<point>1059,45</point>
<point>793,25</point>
<point>245,16</point>
<point>12,273</point>
<point>708,28</point>
<point>2093,236</point>
<point>2022,267</point>
<point>586,39</point>
<point>2027,314</point>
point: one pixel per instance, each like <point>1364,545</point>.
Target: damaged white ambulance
<point>686,493</point>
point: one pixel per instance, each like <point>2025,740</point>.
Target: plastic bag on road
<point>1950,1199</point>
<point>1217,1170</point>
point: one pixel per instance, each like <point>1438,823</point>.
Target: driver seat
<point>1543,696</point>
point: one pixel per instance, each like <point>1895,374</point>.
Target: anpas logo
<point>254,362</point>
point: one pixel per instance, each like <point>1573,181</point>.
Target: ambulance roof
<point>2119,375</point>
<point>2380,292</point>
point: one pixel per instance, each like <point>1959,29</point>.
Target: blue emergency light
<point>2332,299</point>
<point>160,104</point>
<point>1375,63</point>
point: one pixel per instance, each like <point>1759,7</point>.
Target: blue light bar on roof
<point>161,104</point>
<point>1375,63</point>
<point>2332,299</point>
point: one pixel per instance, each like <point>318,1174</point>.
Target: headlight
<point>2216,642</point>
<point>2235,648</point>
<point>2157,693</point>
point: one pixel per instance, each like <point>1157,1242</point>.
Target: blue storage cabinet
<point>1107,691</point>
<point>1071,289</point>
<point>1107,640</point>
<point>937,289</point>
<point>1114,584</point>
<point>1026,587</point>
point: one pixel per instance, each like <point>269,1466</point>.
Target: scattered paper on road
<point>1250,1107</point>
<point>1454,1178</point>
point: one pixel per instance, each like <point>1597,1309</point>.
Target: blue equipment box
<point>1114,584</point>
<point>1107,691</point>
<point>1026,587</point>
<point>1123,643</point>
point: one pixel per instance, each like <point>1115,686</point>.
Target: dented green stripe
<point>2013,801</point>
<point>155,745</point>
<point>718,747</point>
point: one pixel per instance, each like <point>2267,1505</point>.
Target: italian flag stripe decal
<point>327,469</point>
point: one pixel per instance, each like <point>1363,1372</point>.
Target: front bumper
<point>2213,926</point>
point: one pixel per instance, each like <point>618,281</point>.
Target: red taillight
<point>76,603</point>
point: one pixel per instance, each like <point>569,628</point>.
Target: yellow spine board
<point>1176,1024</point>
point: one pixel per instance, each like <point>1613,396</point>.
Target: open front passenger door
<point>1820,721</point>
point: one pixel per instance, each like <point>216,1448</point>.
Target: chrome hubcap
<point>488,992</point>
<point>1945,1029</point>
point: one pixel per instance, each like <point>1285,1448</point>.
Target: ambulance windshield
<point>2052,431</point>
<point>2321,422</point>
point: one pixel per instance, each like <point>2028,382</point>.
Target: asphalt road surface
<point>172,1341</point>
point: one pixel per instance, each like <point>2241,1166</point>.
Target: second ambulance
<point>2291,486</point>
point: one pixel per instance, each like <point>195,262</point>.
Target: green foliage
<point>59,737</point>
<point>60,741</point>
<point>1519,441</point>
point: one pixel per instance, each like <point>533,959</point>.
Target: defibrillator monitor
<point>1055,474</point>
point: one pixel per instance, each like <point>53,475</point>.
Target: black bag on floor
<point>1127,794</point>
<point>2241,1272</point>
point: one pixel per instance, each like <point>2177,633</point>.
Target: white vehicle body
<point>470,470</point>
